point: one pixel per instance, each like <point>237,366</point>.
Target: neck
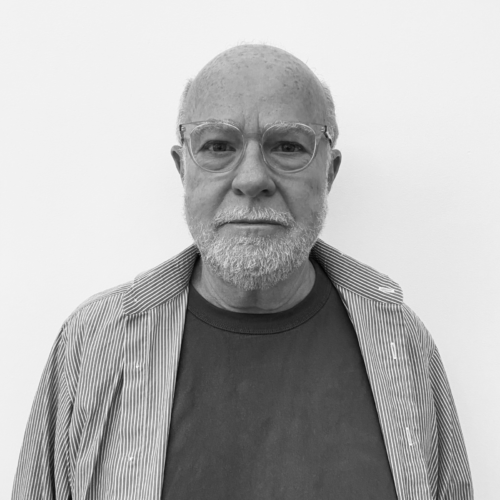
<point>282,296</point>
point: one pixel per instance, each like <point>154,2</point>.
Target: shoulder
<point>356,277</point>
<point>417,333</point>
<point>111,296</point>
<point>379,295</point>
<point>93,335</point>
<point>144,292</point>
<point>97,310</point>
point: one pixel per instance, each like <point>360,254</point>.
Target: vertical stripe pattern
<point>99,425</point>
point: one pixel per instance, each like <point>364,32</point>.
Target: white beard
<point>255,262</point>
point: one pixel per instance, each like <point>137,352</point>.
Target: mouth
<point>254,221</point>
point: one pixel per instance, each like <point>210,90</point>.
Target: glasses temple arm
<point>328,135</point>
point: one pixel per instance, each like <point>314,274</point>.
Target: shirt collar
<point>359,278</point>
<point>169,279</point>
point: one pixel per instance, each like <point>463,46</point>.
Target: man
<point>260,363</point>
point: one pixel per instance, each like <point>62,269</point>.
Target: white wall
<point>90,196</point>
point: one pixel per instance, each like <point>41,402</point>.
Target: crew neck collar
<point>252,323</point>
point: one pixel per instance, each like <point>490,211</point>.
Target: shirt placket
<point>380,331</point>
<point>134,415</point>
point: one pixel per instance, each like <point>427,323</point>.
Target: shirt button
<point>131,458</point>
<point>137,366</point>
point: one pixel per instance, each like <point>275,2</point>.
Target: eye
<point>218,147</point>
<point>288,147</point>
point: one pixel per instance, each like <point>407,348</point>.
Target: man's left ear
<point>333,167</point>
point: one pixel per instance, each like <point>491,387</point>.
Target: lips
<point>262,221</point>
<point>248,216</point>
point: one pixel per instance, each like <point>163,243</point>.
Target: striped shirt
<point>99,424</point>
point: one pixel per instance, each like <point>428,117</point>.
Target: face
<point>252,220</point>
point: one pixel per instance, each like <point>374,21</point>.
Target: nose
<point>252,176</point>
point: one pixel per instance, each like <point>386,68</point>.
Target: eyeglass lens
<point>218,147</point>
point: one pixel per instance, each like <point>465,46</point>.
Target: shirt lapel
<point>155,307</point>
<point>158,300</point>
<point>374,305</point>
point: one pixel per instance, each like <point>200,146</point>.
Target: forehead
<point>256,90</point>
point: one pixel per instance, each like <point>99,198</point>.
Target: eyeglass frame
<point>324,131</point>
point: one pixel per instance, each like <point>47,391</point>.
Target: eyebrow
<point>225,120</point>
<point>283,124</point>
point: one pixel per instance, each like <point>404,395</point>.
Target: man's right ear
<point>178,156</point>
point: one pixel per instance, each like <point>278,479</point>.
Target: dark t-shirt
<point>274,406</point>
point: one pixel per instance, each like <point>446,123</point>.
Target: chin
<point>255,263</point>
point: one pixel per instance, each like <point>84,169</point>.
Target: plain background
<point>90,196</point>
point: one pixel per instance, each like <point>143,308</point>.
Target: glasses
<point>219,146</point>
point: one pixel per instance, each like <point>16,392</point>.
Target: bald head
<point>257,77</point>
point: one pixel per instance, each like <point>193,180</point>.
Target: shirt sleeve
<point>42,471</point>
<point>454,476</point>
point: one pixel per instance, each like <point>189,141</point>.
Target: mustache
<point>253,214</point>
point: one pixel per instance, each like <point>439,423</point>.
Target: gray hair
<point>331,121</point>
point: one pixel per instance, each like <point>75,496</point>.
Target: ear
<point>177,155</point>
<point>333,167</point>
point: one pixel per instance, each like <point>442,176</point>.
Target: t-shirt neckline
<point>255,324</point>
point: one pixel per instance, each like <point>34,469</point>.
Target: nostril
<point>253,184</point>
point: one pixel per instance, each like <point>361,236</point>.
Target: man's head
<point>254,225</point>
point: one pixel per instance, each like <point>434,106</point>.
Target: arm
<point>454,477</point>
<point>42,471</point>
